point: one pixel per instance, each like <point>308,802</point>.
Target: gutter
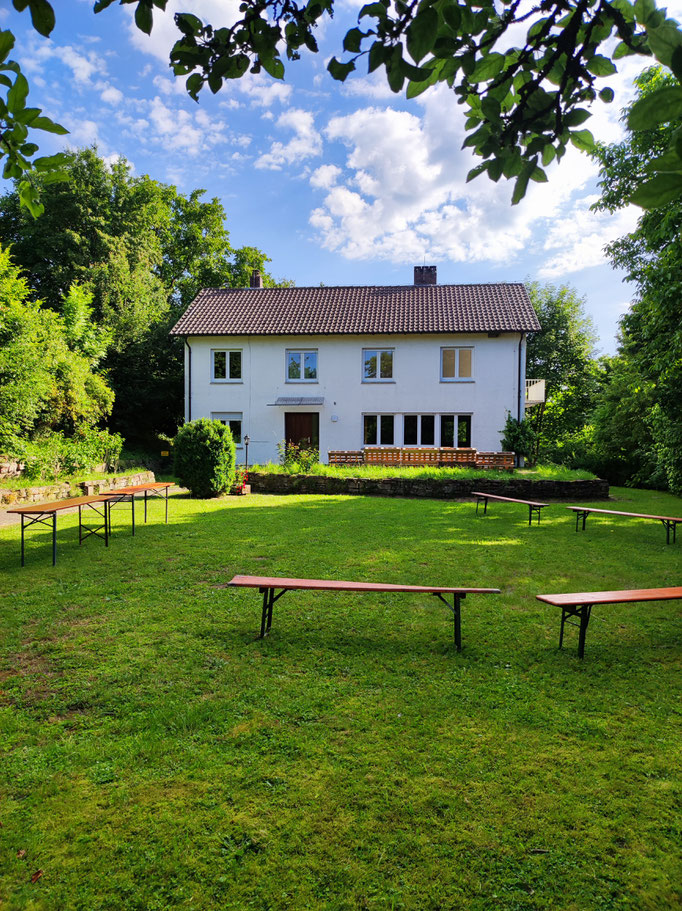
<point>518,404</point>
<point>189,382</point>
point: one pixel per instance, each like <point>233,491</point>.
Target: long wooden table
<point>268,585</point>
<point>46,514</point>
<point>670,522</point>
<point>580,604</point>
<point>128,494</point>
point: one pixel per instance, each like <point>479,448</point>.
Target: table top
<point>497,496</point>
<point>339,585</point>
<point>617,512</point>
<point>641,594</point>
<point>136,488</point>
<point>57,505</point>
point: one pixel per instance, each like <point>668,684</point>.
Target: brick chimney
<point>256,279</point>
<point>426,275</point>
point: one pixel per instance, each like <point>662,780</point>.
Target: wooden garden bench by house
<point>533,506</point>
<point>580,604</point>
<point>268,585</point>
<point>46,514</point>
<point>670,522</point>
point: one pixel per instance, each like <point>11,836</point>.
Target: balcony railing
<point>535,392</point>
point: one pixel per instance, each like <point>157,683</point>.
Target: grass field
<point>155,754</point>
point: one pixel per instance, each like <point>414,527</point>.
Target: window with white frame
<point>455,430</point>
<point>419,429</point>
<point>226,365</point>
<point>378,430</point>
<point>301,365</point>
<point>377,365</point>
<point>456,364</point>
<point>233,421</point>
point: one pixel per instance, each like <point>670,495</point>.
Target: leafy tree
<point>47,378</point>
<point>650,348</point>
<point>563,355</point>
<point>524,97</point>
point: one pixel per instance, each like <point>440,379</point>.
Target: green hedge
<point>204,458</point>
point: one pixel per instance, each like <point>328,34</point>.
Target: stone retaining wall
<point>24,496</point>
<point>445,489</point>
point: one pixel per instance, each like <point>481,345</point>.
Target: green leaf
<point>670,160</point>
<point>676,63</point>
<point>575,117</point>
<point>601,66</point>
<point>664,41</point>
<point>6,44</point>
<point>583,140</point>
<point>548,154</point>
<point>144,18</point>
<point>487,67</point>
<point>44,123</point>
<point>416,88</point>
<point>394,72</point>
<point>520,186</point>
<point>273,66</point>
<point>661,106</point>
<point>491,108</point>
<point>42,16</point>
<point>16,97</point>
<point>538,175</point>
<point>193,85</point>
<point>188,24</point>
<point>421,33</point>
<point>452,17</point>
<point>50,162</point>
<point>645,10</point>
<point>353,40</point>
<point>658,191</point>
<point>377,55</point>
<point>607,95</point>
<point>479,169</point>
<point>372,9</point>
<point>340,71</point>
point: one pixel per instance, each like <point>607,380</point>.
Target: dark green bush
<point>204,458</point>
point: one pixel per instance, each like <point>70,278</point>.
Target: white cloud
<point>325,176</point>
<point>306,143</point>
<point>264,92</point>
<point>110,95</point>
<point>165,32</point>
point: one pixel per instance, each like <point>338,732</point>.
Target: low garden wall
<point>23,496</point>
<point>446,489</point>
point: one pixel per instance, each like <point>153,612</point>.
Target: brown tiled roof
<point>356,310</point>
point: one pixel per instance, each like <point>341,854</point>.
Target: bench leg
<point>22,538</point>
<point>457,616</point>
<point>264,612</point>
<point>54,539</point>
<point>584,620</point>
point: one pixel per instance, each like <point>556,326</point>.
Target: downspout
<point>518,409</point>
<point>189,382</point>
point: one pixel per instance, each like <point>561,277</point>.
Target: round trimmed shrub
<point>204,458</point>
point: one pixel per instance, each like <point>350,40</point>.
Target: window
<point>464,430</point>
<point>447,429</point>
<point>379,429</point>
<point>377,364</point>
<point>226,366</point>
<point>233,421</point>
<point>419,430</point>
<point>456,364</point>
<point>301,366</point>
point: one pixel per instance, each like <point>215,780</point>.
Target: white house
<point>348,367</point>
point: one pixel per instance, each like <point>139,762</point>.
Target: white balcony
<point>535,392</point>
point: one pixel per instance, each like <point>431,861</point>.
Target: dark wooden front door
<point>302,428</point>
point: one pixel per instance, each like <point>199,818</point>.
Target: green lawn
<point>157,755</point>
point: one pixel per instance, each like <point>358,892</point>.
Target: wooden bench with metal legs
<point>534,508</point>
<point>670,522</point>
<point>580,604</point>
<point>269,585</point>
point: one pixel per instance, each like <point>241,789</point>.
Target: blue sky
<point>339,184</point>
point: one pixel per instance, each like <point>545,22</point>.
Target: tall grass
<point>540,472</point>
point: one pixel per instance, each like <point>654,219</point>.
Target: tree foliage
<point>525,72</point>
<point>642,409</point>
<point>563,355</point>
<point>47,363</point>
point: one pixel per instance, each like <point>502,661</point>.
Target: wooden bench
<point>670,522</point>
<point>533,507</point>
<point>46,514</point>
<point>268,585</point>
<point>580,604</point>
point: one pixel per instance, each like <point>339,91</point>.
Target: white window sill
<point>226,382</point>
<point>457,380</point>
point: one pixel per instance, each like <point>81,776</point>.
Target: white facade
<point>479,402</point>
